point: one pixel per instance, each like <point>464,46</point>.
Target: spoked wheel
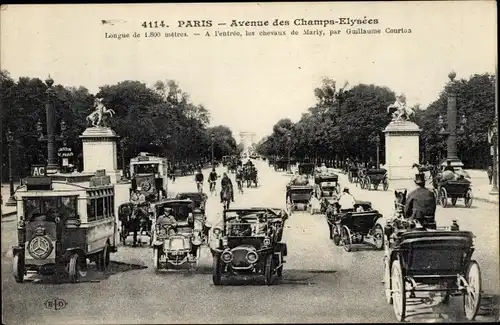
<point>398,291</point>
<point>385,185</point>
<point>268,270</point>
<point>472,296</point>
<point>378,237</point>
<point>387,280</point>
<point>18,267</point>
<point>346,239</point>
<point>217,271</point>
<point>468,198</point>
<point>336,235</point>
<point>444,197</point>
<point>368,184</point>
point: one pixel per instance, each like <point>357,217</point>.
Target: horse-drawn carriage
<point>431,261</point>
<point>281,165</point>
<point>58,223</point>
<point>248,242</point>
<point>352,174</point>
<point>351,228</point>
<point>134,219</point>
<point>374,177</point>
<point>326,185</point>
<point>306,169</point>
<point>250,175</point>
<point>178,244</point>
<point>453,189</point>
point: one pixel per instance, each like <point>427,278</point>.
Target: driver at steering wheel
<point>226,181</point>
<point>421,203</point>
<point>167,220</point>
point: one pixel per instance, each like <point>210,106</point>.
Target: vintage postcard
<point>307,162</point>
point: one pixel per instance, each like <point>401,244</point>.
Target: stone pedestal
<point>401,149</point>
<point>99,152</point>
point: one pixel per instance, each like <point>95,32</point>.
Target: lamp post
<point>377,142</point>
<point>289,144</point>
<point>124,177</point>
<point>212,139</point>
<point>12,199</point>
<point>51,138</point>
<point>451,132</point>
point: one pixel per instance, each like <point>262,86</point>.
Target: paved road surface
<point>321,282</point>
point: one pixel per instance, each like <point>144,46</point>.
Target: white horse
<point>96,117</point>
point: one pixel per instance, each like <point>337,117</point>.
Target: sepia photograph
<point>249,163</point>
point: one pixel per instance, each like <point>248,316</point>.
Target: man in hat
<point>346,201</point>
<point>167,220</point>
<point>421,203</point>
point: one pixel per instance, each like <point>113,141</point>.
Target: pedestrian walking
<point>489,171</point>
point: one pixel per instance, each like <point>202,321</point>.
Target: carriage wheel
<point>385,185</point>
<point>453,201</point>
<point>436,195</point>
<point>472,295</point>
<point>336,235</point>
<point>18,267</point>
<point>398,291</point>
<point>346,239</point>
<point>468,198</point>
<point>387,280</point>
<point>378,237</point>
<point>103,259</point>
<point>444,198</point>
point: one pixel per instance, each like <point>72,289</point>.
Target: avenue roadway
<point>321,282</point>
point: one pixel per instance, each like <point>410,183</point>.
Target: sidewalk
<point>6,210</point>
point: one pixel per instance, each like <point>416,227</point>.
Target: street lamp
<point>450,131</point>
<point>212,138</point>
<point>289,144</point>
<point>377,142</point>
<point>124,177</point>
<point>12,199</point>
<point>51,138</point>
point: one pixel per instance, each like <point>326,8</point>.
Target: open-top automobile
<point>248,242</point>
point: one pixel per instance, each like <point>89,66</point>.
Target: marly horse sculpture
<point>96,117</point>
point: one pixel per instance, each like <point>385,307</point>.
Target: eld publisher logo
<point>55,304</point>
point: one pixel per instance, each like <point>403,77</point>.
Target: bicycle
<point>199,186</point>
<point>212,187</point>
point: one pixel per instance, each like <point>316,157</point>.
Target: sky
<point>248,83</point>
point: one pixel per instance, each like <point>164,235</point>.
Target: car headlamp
<point>227,256</point>
<point>266,242</point>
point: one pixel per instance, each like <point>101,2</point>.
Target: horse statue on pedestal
<point>400,112</point>
<point>96,118</point>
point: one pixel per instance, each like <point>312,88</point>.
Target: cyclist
<point>212,179</point>
<point>199,178</point>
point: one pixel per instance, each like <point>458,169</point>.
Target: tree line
<point>160,119</point>
<point>348,123</point>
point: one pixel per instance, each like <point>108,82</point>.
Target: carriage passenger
<point>421,203</point>
<point>346,201</point>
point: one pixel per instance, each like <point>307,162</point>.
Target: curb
<point>8,214</point>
